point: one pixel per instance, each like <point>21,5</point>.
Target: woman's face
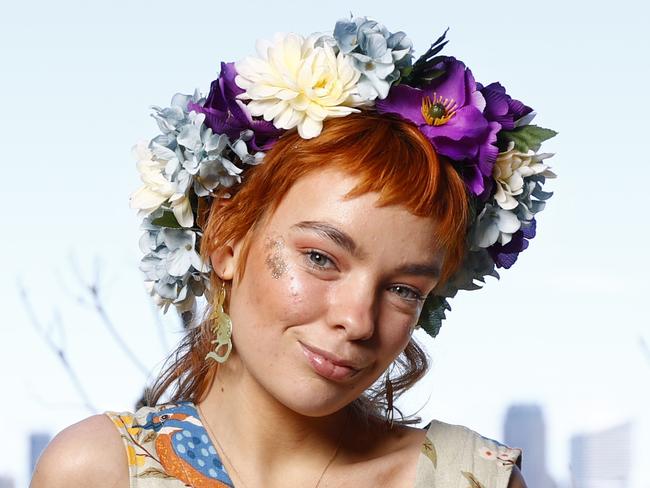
<point>332,290</point>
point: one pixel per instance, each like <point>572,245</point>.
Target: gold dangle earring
<point>221,327</point>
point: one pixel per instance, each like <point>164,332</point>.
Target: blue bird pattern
<point>170,442</point>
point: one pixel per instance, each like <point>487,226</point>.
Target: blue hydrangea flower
<point>195,156</point>
<point>174,272</point>
<point>191,158</point>
<point>376,52</point>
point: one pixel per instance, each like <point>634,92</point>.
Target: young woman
<point>335,210</point>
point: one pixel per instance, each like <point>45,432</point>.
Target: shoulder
<point>456,454</point>
<point>88,453</point>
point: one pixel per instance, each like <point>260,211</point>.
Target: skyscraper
<point>602,459</point>
<point>524,427</point>
<point>6,482</point>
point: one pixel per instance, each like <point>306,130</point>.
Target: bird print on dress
<point>173,437</point>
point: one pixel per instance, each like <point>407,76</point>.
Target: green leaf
<point>154,473</point>
<point>525,138</point>
<point>167,220</point>
<point>431,75</point>
<point>429,450</point>
<point>406,72</point>
<point>433,313</point>
<point>474,483</point>
<point>150,436</point>
<point>435,48</point>
<point>422,71</point>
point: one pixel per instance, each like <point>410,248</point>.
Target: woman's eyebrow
<point>340,238</point>
<point>337,236</point>
<point>432,270</point>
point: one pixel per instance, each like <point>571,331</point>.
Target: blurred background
<point>554,358</point>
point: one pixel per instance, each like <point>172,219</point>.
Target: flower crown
<point>206,144</point>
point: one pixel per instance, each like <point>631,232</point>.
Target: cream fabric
<point>168,447</point>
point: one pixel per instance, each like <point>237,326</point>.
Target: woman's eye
<point>407,293</point>
<point>319,260</point>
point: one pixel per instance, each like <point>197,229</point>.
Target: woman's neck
<point>261,437</point>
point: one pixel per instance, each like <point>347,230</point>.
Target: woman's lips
<point>325,367</point>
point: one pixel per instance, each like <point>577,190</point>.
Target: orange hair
<point>389,156</point>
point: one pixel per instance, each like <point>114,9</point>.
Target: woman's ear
<point>223,262</point>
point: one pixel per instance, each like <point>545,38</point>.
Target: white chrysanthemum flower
<point>157,188</point>
<point>299,84</point>
<point>510,170</point>
<point>494,224</point>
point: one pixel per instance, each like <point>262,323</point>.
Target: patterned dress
<point>168,447</point>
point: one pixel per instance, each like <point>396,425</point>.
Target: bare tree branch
<point>92,289</point>
<point>101,311</point>
<point>159,325</point>
<point>56,348</point>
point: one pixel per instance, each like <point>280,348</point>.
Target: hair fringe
<point>373,147</point>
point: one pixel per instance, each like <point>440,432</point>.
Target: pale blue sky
<point>561,328</point>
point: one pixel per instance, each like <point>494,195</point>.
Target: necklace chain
<point>320,478</point>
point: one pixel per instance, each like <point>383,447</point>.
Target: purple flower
<point>449,112</point>
<point>225,114</point>
<point>505,256</point>
<point>501,107</point>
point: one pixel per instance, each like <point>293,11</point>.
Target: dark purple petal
<point>225,114</point>
<point>488,186</point>
<point>265,134</point>
<point>473,178</point>
<point>488,152</point>
<point>518,109</point>
<point>453,84</point>
<point>506,256</point>
<point>215,119</point>
<point>467,124</point>
<point>405,101</point>
<point>216,99</point>
<point>455,150</point>
<point>228,74</point>
<point>496,102</point>
<point>470,88</point>
<point>530,230</point>
<point>223,89</point>
<point>502,108</point>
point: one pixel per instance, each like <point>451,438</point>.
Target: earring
<point>221,328</point>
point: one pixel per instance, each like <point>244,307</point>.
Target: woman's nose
<point>353,308</point>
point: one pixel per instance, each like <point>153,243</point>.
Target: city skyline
<point>524,426</point>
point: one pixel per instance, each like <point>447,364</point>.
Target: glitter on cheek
<point>274,259</point>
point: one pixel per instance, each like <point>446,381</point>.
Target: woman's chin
<point>313,397</point>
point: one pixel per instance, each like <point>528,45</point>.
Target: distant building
<point>602,459</point>
<point>524,427</point>
<point>37,443</point>
<point>6,482</point>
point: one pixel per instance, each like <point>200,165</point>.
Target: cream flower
<point>510,170</point>
<point>296,83</point>
<point>157,189</point>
